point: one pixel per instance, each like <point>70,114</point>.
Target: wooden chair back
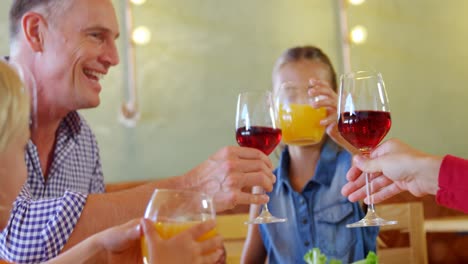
<point>234,232</point>
<point>410,217</point>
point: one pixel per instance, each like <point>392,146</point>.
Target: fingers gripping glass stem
<point>371,218</point>
<point>265,216</point>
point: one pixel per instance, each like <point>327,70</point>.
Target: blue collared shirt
<point>46,212</point>
<point>76,164</point>
<point>318,215</point>
<point>38,229</point>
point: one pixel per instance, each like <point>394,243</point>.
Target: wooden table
<point>447,224</point>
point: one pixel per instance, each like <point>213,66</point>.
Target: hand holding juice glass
<point>299,121</point>
<point>173,212</point>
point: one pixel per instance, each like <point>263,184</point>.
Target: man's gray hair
<point>48,8</point>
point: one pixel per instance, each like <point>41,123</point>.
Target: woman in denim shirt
<point>309,181</point>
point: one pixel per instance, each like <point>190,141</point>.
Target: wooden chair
<point>410,217</point>
<point>234,232</point>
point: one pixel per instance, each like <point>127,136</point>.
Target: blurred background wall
<point>203,52</point>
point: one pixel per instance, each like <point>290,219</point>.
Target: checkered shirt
<point>76,165</point>
<point>38,229</point>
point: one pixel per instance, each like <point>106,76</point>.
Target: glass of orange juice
<point>173,211</point>
<point>299,121</point>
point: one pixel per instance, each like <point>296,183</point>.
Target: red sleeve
<point>453,183</point>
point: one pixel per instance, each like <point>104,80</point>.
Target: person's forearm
<point>178,182</point>
<point>110,209</point>
<point>428,171</point>
<point>84,252</point>
<point>121,186</point>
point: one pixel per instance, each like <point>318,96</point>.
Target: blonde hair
<point>14,106</point>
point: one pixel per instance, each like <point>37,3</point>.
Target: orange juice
<point>167,230</point>
<point>300,124</point>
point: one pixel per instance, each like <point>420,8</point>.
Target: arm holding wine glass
<point>397,167</point>
<point>225,176</point>
<point>229,173</point>
<point>119,240</point>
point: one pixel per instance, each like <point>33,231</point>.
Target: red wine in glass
<point>364,120</point>
<point>256,127</point>
<point>262,138</point>
<point>364,129</point>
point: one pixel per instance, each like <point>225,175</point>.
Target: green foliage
<point>370,259</point>
<point>314,256</point>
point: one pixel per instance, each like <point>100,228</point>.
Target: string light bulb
<point>356,2</point>
<point>141,35</point>
<point>138,2</point>
<point>358,35</point>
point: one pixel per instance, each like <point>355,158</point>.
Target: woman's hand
<point>184,247</point>
<point>328,98</point>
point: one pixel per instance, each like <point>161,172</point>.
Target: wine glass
<point>364,120</point>
<point>256,128</point>
<point>174,211</point>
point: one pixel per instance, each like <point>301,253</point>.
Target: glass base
<point>372,219</point>
<point>265,218</point>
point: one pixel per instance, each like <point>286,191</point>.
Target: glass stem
<point>264,212</point>
<point>370,206</point>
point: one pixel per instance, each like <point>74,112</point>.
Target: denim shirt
<point>317,216</point>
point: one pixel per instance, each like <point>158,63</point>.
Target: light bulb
<point>358,35</point>
<point>356,2</point>
<point>141,35</point>
<point>138,2</point>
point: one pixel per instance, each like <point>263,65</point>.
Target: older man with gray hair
<point>64,48</point>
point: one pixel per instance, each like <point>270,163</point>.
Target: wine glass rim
<point>362,74</point>
<point>255,91</point>
<point>185,191</point>
<point>300,84</point>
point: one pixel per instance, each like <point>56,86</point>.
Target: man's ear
<point>33,25</point>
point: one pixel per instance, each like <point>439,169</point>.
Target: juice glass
<point>298,120</point>
<point>174,211</point>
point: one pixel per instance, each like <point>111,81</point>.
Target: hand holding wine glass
<point>256,128</point>
<point>364,120</point>
<point>396,167</point>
